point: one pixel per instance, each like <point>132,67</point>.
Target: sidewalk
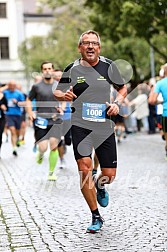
<point>42,216</point>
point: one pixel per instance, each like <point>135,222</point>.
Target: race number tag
<point>11,103</point>
<point>93,112</point>
<point>41,122</point>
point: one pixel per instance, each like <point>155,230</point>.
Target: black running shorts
<point>51,131</point>
<point>84,140</point>
<point>164,124</point>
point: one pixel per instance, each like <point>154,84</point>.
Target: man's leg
<point>61,150</point>
<point>107,156</point>
<point>95,165</point>
<point>42,148</point>
<point>164,127</point>
<point>87,184</point>
<point>89,192</point>
<point>13,139</point>
<point>106,177</point>
<point>2,125</point>
<point>165,135</point>
<point>53,157</point>
<point>82,146</point>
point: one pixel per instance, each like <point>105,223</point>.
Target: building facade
<point>19,19</point>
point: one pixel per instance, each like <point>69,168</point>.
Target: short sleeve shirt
<point>161,87</point>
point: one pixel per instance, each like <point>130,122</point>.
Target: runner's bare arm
<point>67,96</point>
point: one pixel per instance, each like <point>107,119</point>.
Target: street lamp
<point>152,62</point>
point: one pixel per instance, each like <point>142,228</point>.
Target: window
<point>4,48</point>
<point>2,10</point>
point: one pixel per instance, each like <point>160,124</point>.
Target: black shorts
<point>23,117</point>
<point>84,140</point>
<point>164,124</point>
<point>119,119</point>
<point>51,131</point>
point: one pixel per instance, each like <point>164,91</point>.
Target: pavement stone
<point>39,216</point>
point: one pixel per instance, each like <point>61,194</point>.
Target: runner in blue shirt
<point>14,112</point>
<point>161,87</point>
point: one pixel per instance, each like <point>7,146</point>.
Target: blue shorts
<point>13,121</point>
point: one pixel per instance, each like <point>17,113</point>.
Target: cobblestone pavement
<point>38,215</point>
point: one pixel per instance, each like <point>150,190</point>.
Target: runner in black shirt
<point>47,120</point>
<point>3,108</point>
<point>87,83</point>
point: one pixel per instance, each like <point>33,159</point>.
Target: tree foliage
<point>139,21</point>
<point>127,30</point>
<point>60,45</point>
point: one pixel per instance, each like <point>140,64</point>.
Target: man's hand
<point>69,95</point>
<point>60,110</point>
<point>113,109</point>
<point>32,115</point>
<point>3,107</point>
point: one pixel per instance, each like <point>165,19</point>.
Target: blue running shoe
<point>94,172</point>
<point>97,223</point>
<point>35,148</point>
<point>102,197</point>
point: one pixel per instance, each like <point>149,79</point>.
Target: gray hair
<point>89,32</point>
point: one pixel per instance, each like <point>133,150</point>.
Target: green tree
<point>129,24</point>
<point>60,45</point>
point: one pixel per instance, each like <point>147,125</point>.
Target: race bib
<point>41,122</point>
<point>93,112</point>
<point>11,103</point>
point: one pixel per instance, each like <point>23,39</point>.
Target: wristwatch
<point>117,102</point>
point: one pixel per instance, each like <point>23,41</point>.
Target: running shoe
<point>35,148</point>
<point>102,196</point>
<point>94,172</point>
<point>62,163</point>
<point>22,142</point>
<point>39,158</point>
<point>96,225</point>
<point>52,177</point>
<point>163,137</point>
<point>18,143</point>
<point>15,153</point>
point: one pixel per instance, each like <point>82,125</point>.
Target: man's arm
<point>152,99</point>
<point>29,110</point>
<point>114,107</point>
<point>67,96</point>
<point>121,94</point>
<point>3,88</point>
<point>60,96</point>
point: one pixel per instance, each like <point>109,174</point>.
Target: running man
<point>66,117</point>
<point>3,108</point>
<point>161,88</point>
<point>15,98</point>
<point>47,121</point>
<point>87,83</point>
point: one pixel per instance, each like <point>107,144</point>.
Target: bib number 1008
<point>94,112</point>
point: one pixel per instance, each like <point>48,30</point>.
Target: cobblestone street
<point>42,216</point>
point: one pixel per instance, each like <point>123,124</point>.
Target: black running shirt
<point>92,87</point>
